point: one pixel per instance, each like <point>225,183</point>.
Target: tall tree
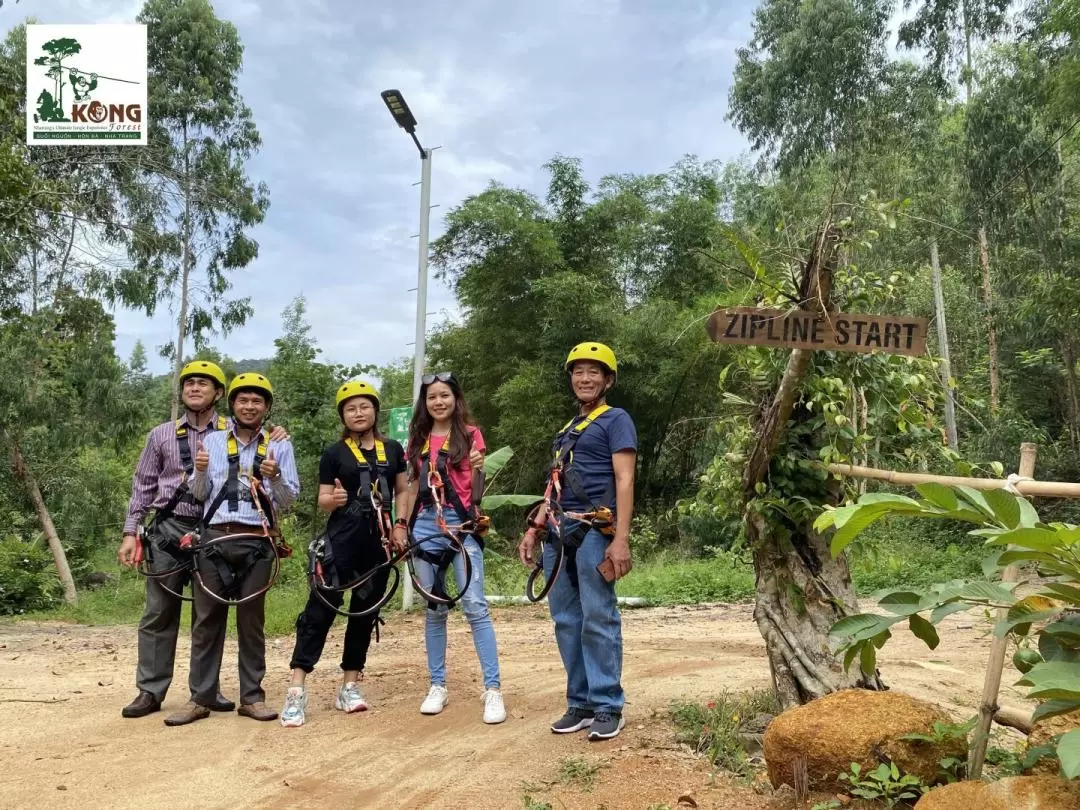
<point>64,388</point>
<point>193,227</point>
<point>815,92</point>
<point>949,30</point>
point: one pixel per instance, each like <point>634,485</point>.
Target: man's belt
<point>236,528</point>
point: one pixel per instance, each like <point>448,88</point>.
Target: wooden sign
<point>838,331</point>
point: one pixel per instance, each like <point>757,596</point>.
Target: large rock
<point>1041,734</point>
<point>1012,793</point>
<point>856,725</point>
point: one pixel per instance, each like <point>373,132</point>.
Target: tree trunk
<point>943,340</point>
<point>185,274</point>
<point>800,591</point>
<point>25,474</point>
<point>991,330</point>
<point>1068,353</point>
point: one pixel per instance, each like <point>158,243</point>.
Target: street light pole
<point>422,271</point>
<point>404,118</point>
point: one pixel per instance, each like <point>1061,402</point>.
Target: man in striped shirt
<point>161,484</point>
<point>239,567</point>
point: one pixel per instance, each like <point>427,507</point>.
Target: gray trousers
<point>252,562</point>
<point>160,623</point>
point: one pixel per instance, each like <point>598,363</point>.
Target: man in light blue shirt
<point>225,465</point>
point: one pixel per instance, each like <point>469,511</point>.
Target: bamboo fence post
<point>988,706</point>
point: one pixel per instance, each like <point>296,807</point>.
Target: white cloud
<point>626,85</point>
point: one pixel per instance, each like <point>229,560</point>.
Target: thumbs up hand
<point>202,458</point>
<point>340,496</point>
<point>269,468</point>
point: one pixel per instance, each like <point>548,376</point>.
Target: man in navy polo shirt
<point>598,452</point>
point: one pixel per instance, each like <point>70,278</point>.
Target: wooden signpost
<point>834,331</point>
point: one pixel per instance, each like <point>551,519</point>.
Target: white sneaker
<point>295,703</point>
<point>436,700</point>
<point>494,711</point>
<point>350,699</point>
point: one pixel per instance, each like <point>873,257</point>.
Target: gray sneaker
<point>606,725</point>
<point>573,720</point>
<point>350,699</point>
<point>292,715</point>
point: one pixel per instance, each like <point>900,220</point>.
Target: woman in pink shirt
<point>442,435</point>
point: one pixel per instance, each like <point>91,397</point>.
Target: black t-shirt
<point>345,525</point>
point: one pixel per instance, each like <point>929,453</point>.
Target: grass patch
<point>888,558</point>
<point>579,772</point>
<point>712,728</point>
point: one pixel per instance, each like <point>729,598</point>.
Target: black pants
<point>360,554</point>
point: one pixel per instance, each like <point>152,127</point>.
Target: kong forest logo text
<point>86,85</point>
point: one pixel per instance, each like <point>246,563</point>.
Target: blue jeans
<point>472,603</point>
<point>588,627</point>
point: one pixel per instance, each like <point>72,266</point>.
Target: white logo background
<point>116,51</point>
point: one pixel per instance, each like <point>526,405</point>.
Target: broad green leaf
<point>923,630</point>
<point>849,656</point>
<point>889,498</point>
<point>1053,680</point>
<point>1028,516</point>
<point>902,603</point>
<point>1051,650</point>
<point>494,462</point>
<point>868,659</point>
<point>862,626</point>
<point>850,521</point>
<point>1027,610</point>
<point>825,520</point>
<point>1068,751</point>
<point>987,591</point>
<point>492,502</point>
<point>1070,593</point>
<point>1066,633</point>
<point>1043,540</point>
<point>1005,505</point>
<point>1052,708</point>
<point>991,564</point>
<point>941,611</point>
<point>976,498</point>
<point>939,495</point>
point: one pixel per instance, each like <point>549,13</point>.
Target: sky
<point>626,86</point>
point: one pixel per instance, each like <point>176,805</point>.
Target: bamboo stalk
<point>988,706</point>
<point>1029,489</point>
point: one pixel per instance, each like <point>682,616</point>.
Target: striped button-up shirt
<point>159,472</point>
<point>206,485</point>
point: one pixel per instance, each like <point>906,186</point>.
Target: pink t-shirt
<point>461,474</point>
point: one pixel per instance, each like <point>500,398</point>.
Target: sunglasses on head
<point>441,376</point>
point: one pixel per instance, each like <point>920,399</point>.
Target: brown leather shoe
<point>257,711</point>
<point>191,712</point>
<point>141,706</point>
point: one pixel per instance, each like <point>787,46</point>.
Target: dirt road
<point>78,752</point>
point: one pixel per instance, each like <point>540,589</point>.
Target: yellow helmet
<point>356,388</point>
<point>597,352</point>
<point>203,368</point>
<point>251,380</point>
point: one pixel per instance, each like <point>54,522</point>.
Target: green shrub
<point>27,577</point>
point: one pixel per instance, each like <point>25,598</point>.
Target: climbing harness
<point>372,500</point>
<point>144,533</point>
<point>267,529</point>
<point>435,490</point>
<point>599,517</point>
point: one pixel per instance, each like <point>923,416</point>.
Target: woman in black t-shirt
<point>355,543</point>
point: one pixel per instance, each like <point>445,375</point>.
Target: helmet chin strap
<point>200,411</point>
